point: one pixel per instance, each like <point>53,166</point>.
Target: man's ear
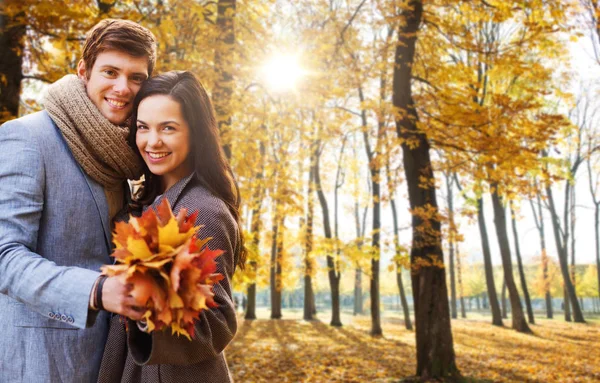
<point>81,71</point>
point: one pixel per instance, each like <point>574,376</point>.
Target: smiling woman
<point>282,72</point>
<point>163,138</point>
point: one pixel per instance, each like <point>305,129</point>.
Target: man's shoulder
<point>36,125</point>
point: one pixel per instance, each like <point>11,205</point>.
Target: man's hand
<point>117,298</point>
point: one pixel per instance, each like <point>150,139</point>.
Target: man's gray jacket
<point>54,236</point>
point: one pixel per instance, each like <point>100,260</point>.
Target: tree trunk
<point>572,230</point>
<point>376,226</point>
<point>567,305</point>
<point>451,242</point>
<point>256,226</point>
<point>487,264</point>
<point>333,268</point>
<point>463,313</point>
<point>11,62</point>
<point>539,222</point>
<point>407,320</point>
<point>597,236</point>
<point>518,318</point>
<point>594,198</point>
<point>530,317</point>
<point>504,311</point>
<point>374,283</point>
<point>435,347</point>
<point>224,58</point>
<point>308,243</point>
<point>276,267</point>
<point>358,301</point>
<point>563,261</point>
<point>358,293</point>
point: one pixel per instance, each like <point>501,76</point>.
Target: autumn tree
<point>435,349</point>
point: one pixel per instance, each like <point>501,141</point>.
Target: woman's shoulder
<point>196,197</point>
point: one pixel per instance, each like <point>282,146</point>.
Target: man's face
<point>113,82</point>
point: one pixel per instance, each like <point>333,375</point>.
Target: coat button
<point>70,320</point>
<point>51,315</point>
<point>63,318</point>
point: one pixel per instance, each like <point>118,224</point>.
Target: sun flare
<point>282,72</point>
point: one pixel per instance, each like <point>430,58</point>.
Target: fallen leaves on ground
<point>293,350</point>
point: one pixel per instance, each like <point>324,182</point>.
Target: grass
<point>293,350</point>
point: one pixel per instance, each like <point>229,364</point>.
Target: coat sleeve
<point>25,275</point>
<point>215,327</point>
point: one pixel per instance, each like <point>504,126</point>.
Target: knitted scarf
<point>99,146</point>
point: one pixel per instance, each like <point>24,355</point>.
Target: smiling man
<point>63,173</point>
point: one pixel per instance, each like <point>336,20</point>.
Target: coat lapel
<point>102,205</point>
<point>97,193</point>
<point>174,192</point>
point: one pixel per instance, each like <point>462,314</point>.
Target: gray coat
<point>54,236</point>
<point>134,356</point>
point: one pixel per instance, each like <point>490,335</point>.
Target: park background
<point>419,178</point>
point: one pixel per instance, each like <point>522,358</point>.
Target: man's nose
<point>122,86</point>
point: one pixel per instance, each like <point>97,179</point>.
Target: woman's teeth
<point>158,155</point>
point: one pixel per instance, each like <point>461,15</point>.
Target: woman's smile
<point>156,157</point>
<point>162,137</point>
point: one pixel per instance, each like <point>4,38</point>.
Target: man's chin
<point>117,119</point>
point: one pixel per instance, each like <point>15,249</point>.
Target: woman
<point>175,130</point>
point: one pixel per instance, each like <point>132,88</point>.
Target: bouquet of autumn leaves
<point>170,269</point>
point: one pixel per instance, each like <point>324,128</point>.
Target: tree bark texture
<point>504,310</point>
<point>563,261</point>
<point>308,244</point>
<point>224,52</point>
<point>487,265</point>
<point>256,226</point>
<point>463,312</point>
<point>276,248</point>
<point>407,320</point>
<point>435,347</point>
<point>530,316</point>
<point>539,222</point>
<point>376,224</point>
<point>333,270</point>
<point>518,318</point>
<point>451,242</point>
<point>11,62</point>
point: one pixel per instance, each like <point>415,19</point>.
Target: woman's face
<point>163,138</point>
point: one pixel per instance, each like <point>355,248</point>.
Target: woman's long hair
<point>207,155</point>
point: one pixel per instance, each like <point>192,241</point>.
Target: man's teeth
<point>158,155</point>
<point>118,104</point>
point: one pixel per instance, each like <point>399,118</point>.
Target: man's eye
<point>169,128</point>
<point>138,80</point>
<point>110,72</point>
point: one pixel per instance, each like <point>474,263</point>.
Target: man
<point>62,177</point>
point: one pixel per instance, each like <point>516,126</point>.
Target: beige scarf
<point>99,146</point>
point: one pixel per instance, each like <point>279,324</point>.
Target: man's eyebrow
<point>110,66</point>
<point>143,74</point>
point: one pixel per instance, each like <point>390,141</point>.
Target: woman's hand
<point>117,298</point>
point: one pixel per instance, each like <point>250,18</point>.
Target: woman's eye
<point>142,127</point>
<point>110,72</point>
<point>168,128</point>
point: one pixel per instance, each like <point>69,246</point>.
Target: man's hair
<point>120,35</point>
